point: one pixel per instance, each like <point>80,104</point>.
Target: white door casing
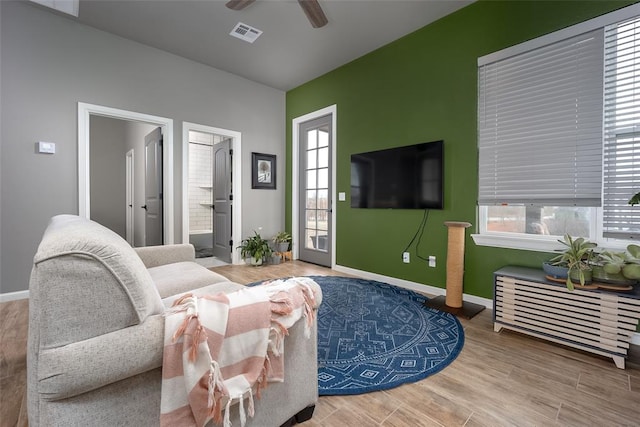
<point>295,190</point>
<point>130,197</point>
<point>236,167</point>
<point>85,111</point>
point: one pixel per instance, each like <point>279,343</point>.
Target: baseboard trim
<point>13,296</point>
<point>419,287</point>
<point>407,284</point>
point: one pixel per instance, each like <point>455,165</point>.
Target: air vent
<point>245,32</point>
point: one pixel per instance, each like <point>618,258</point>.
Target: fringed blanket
<point>221,349</point>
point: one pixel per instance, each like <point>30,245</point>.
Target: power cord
<point>418,234</point>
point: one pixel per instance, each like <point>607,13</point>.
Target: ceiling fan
<point>311,8</point>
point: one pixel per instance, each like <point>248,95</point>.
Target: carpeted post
<point>455,262</point>
<point>452,302</point>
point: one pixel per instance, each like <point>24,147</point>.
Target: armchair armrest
<point>87,365</point>
<point>153,256</point>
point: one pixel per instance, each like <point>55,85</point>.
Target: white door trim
<point>130,199</point>
<point>295,150</point>
<point>85,111</point>
<point>236,186</point>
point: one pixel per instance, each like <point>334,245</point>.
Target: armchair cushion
<point>179,277</point>
<point>153,256</point>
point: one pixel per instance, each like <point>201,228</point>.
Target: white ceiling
<point>289,52</point>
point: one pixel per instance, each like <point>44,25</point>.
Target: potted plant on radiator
<point>619,267</point>
<point>578,257</point>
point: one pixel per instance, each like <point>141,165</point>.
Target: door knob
<point>144,207</point>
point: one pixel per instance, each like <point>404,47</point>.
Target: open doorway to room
<point>114,172</point>
<point>211,208</point>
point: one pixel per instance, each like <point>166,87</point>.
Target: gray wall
<point>108,173</point>
<point>49,63</point>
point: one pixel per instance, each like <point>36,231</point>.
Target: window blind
<point>621,130</point>
<point>540,125</point>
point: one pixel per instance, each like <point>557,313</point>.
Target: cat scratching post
<point>453,302</point>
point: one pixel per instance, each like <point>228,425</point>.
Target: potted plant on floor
<point>255,249</point>
<point>578,257</point>
<point>282,241</point>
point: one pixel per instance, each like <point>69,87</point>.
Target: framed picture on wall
<point>263,171</point>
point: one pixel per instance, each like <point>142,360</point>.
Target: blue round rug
<point>375,336</point>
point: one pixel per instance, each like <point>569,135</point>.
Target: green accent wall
<point>423,87</point>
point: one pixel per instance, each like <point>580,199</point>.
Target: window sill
<point>517,242</point>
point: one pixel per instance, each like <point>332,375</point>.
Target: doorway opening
<point>87,180</point>
<point>211,187</point>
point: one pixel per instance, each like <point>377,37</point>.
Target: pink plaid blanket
<point>221,349</point>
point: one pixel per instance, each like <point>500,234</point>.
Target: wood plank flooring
<point>499,379</point>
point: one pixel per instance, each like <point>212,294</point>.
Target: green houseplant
<point>255,248</point>
<point>578,257</point>
<point>621,266</point>
<point>282,240</point>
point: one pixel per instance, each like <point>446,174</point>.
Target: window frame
<point>542,243</point>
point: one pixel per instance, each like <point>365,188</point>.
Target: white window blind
<point>540,125</point>
<point>621,130</point>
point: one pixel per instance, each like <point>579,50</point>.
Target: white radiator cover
<point>600,322</point>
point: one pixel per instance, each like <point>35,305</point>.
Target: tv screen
<point>409,177</point>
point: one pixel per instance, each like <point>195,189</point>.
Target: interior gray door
<point>315,191</point>
<point>153,188</point>
<point>222,200</point>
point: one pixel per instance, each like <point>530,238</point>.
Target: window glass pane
<point>310,238</point>
<point>310,215</point>
<point>323,199</point>
<point>312,156</point>
<point>311,199</point>
<point>312,138</point>
<point>323,220</point>
<point>323,157</point>
<point>323,138</point>
<point>323,178</point>
<point>311,179</point>
<point>551,221</point>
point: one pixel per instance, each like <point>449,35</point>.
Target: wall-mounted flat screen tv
<point>408,177</point>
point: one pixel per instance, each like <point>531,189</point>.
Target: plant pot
<point>600,275</point>
<point>275,259</point>
<point>555,271</point>
<point>575,276</point>
<point>256,261</point>
<point>282,247</point>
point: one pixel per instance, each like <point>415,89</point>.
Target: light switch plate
<point>46,147</point>
<point>342,196</point>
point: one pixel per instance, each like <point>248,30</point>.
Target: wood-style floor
<point>499,379</point>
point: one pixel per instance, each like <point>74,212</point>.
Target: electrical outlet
<point>432,261</point>
<point>405,257</point>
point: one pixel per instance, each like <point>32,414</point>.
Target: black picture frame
<point>263,171</point>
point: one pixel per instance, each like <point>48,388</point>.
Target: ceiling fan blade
<point>314,13</point>
<point>238,4</point>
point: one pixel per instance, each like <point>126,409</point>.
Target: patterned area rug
<point>375,336</point>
